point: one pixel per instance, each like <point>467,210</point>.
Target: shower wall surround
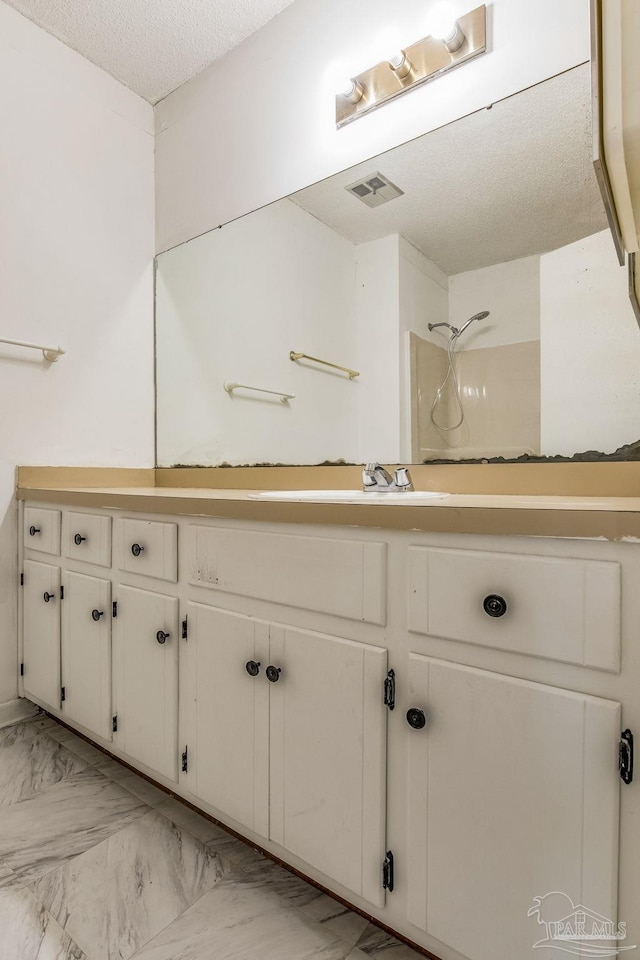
<point>500,391</point>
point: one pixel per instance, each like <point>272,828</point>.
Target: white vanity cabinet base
<point>86,652</point>
<point>225,714</point>
<point>328,756</point>
<point>513,782</point>
<point>146,678</point>
<point>41,630</point>
<point>564,609</point>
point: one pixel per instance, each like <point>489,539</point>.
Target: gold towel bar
<point>335,366</point>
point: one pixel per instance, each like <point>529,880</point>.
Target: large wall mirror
<point>467,276</point>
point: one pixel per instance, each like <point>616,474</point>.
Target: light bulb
<point>442,25</point>
<point>352,90</point>
<point>441,21</point>
<point>401,65</point>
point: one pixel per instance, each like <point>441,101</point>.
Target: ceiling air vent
<point>374,189</point>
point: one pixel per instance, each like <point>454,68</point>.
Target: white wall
<point>260,123</point>
<point>590,350</point>
<point>231,306</point>
<point>511,293</point>
<point>378,324</point>
<point>76,248</point>
<point>424,293</point>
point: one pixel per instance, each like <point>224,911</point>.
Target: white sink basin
<point>414,497</point>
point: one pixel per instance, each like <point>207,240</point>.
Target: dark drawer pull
<point>252,667</point>
<point>78,539</point>
<point>162,637</point>
<point>273,673</point>
<point>33,530</point>
<point>48,596</point>
<point>494,605</point>
<point>416,718</point>
<point>136,549</point>
<point>96,614</point>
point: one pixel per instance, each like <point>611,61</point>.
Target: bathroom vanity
<point>428,719</point>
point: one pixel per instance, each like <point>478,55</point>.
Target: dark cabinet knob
<point>273,673</point>
<point>96,614</point>
<point>48,596</point>
<point>33,530</point>
<point>162,637</point>
<point>252,667</point>
<point>494,605</point>
<point>78,539</point>
<point>416,718</point>
<point>136,549</point>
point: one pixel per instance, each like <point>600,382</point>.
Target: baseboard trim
<point>15,711</point>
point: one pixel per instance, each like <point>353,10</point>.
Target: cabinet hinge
<point>625,756</point>
<point>185,760</point>
<point>22,669</point>
<point>22,579</point>
<point>114,723</point>
<point>387,872</point>
<point>62,593</point>
<point>389,698</point>
<point>114,609</point>
<point>185,628</point>
<point>63,694</point>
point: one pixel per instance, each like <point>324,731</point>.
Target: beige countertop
<point>608,517</point>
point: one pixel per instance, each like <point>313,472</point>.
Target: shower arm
<point>454,330</point>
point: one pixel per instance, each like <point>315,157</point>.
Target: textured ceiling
<point>152,46</point>
<point>498,185</point>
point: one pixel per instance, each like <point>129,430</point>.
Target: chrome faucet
<point>375,479</point>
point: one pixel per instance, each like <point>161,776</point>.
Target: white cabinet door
<point>512,794</point>
<point>328,755</point>
<point>225,706</point>
<point>86,652</point>
<point>42,632</point>
<point>146,678</point>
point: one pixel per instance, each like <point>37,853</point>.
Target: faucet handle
<point>403,479</point>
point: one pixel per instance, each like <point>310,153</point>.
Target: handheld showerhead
<point>477,316</point>
<point>455,332</point>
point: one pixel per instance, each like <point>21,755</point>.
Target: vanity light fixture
<point>451,42</point>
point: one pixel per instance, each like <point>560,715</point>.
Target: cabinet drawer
<point>42,530</point>
<point>563,609</point>
<point>147,547</point>
<point>346,578</point>
<point>87,536</point>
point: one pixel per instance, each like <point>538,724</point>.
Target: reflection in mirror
<point>468,276</point>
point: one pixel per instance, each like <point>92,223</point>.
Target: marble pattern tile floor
<point>98,864</point>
